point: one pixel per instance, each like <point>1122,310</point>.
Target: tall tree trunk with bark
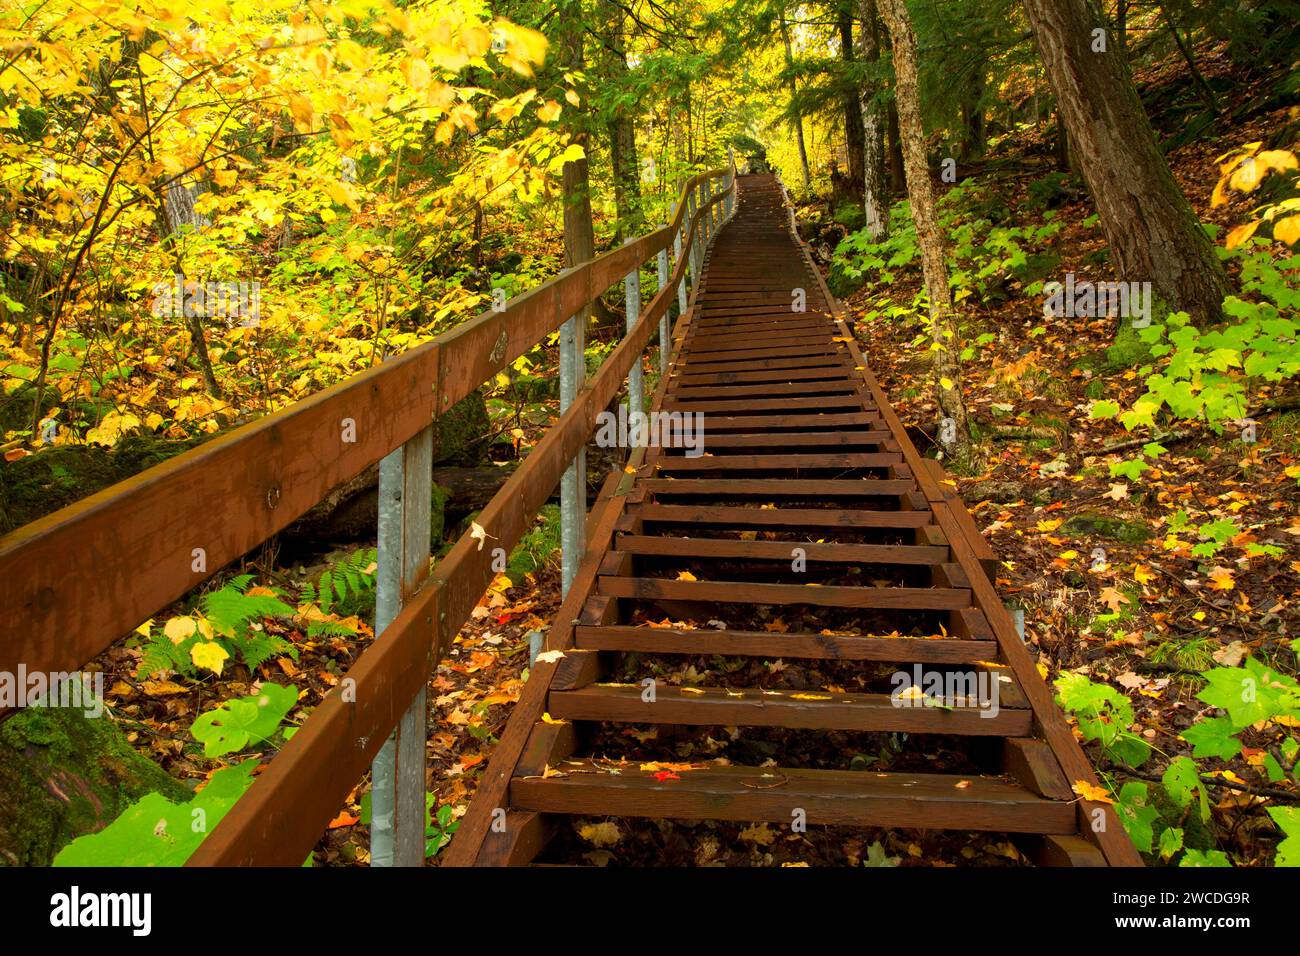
<point>796,117</point>
<point>854,135</point>
<point>622,141</point>
<point>897,177</point>
<point>1154,234</point>
<point>972,113</point>
<point>579,232</point>
<point>875,191</point>
<point>954,433</point>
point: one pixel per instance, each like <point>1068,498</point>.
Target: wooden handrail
<point>73,582</point>
<point>283,814</point>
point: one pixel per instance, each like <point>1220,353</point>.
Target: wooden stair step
<point>744,592</point>
<point>781,487</point>
<point>802,439</point>
<point>774,794</point>
<point>838,461</point>
<point>662,640</point>
<point>739,516</point>
<point>819,710</point>
<point>693,547</point>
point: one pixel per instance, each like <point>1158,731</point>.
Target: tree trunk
<point>579,232</point>
<point>897,177</point>
<point>1153,232</point>
<point>796,121</point>
<point>1061,146</point>
<point>875,191</point>
<point>954,435</point>
<point>854,134</point>
<point>1207,94</point>
<point>972,111</point>
<point>1121,26</point>
<point>622,142</point>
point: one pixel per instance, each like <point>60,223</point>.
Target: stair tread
<point>792,644</point>
<point>813,709</point>
<point>843,797</point>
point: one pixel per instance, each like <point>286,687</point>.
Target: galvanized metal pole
<point>573,486</point>
<point>691,206</point>
<point>677,259</point>
<point>632,296</point>
<point>708,214</point>
<point>397,793</point>
<point>665,346</point>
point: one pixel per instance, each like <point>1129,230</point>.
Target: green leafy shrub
<point>235,724</point>
<point>1173,817</point>
<point>228,624</point>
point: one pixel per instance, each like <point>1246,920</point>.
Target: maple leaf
<point>601,834</point>
<point>1113,598</point>
<point>686,576</point>
<point>759,833</point>
<point>1221,580</point>
<point>1092,792</point>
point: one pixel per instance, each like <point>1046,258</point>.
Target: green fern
<point>256,647</point>
<point>160,654</point>
<point>229,609</point>
<point>343,588</point>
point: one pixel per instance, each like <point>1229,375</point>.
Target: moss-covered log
<point>64,774</point>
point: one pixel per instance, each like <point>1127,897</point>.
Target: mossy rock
<point>1128,350</point>
<point>56,477</point>
<point>1097,525</point>
<point>63,775</point>
<point>461,436</point>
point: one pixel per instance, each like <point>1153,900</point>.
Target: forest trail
<point>805,528</point>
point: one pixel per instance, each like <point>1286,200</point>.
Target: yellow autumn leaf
<point>209,655</point>
<point>179,628</point>
<point>549,111</point>
<point>601,834</point>
<point>1279,159</point>
<point>1143,575</point>
<point>1248,174</point>
<point>759,833</point>
<point>1221,580</point>
<point>1240,234</point>
<point>686,576</point>
<point>1092,792</point>
<point>1287,230</point>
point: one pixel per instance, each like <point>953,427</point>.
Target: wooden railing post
<point>397,792</point>
<point>573,487</point>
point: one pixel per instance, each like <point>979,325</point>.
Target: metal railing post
<point>707,232</point>
<point>573,486</point>
<point>691,205</point>
<point>677,259</point>
<point>397,795</point>
<point>665,347</point>
<point>632,296</point>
